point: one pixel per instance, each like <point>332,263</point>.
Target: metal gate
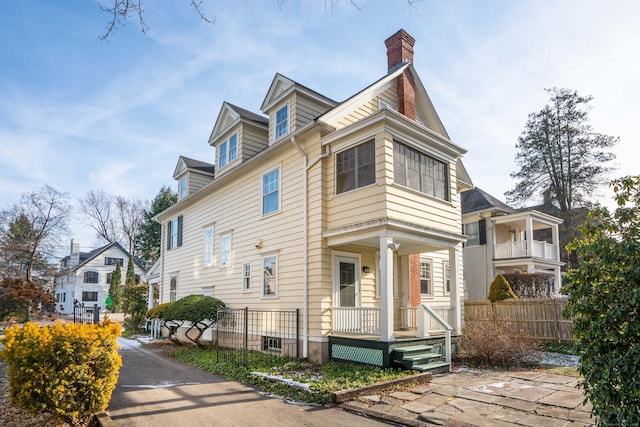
<point>241,333</point>
<point>82,314</point>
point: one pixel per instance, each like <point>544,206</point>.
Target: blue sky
<point>82,114</point>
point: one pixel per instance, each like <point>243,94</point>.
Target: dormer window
<point>282,121</point>
<point>182,187</point>
<point>228,151</point>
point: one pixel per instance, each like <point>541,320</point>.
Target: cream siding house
<point>349,212</point>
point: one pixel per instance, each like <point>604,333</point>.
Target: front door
<point>347,281</point>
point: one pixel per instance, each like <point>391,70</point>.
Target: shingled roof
<point>476,200</point>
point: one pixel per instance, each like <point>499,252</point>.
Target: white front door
<point>347,281</point>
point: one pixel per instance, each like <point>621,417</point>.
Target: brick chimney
<point>399,51</point>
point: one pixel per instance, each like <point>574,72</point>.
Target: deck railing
<point>424,316</point>
<point>356,320</point>
<point>522,249</point>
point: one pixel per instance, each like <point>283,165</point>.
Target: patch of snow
<point>556,359</point>
<point>288,381</point>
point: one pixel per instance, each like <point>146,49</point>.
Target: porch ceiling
<point>411,238</point>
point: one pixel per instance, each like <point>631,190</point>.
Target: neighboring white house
<point>346,211</point>
<point>503,240</point>
<point>85,276</point>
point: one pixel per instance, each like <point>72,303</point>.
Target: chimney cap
<point>399,48</point>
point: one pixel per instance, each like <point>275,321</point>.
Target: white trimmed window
<point>174,232</point>
<point>426,283</point>
<point>447,277</point>
<point>271,192</point>
<point>225,250</point>
<point>207,250</point>
<point>270,276</point>
<point>182,187</point>
<point>420,172</point>
<point>282,121</point>
<point>356,167</point>
<point>173,288</point>
<point>228,151</point>
<point>246,277</point>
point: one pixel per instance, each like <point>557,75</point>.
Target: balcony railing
<point>526,249</point>
<point>356,320</point>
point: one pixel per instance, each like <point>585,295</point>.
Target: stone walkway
<point>483,398</point>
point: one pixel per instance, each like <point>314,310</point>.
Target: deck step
<point>414,349</point>
<point>434,367</point>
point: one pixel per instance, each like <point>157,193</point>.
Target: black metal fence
<point>88,314</point>
<point>242,333</point>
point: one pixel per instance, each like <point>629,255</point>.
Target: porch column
<point>555,236</point>
<point>150,298</point>
<point>386,289</point>
<point>529,236</point>
<point>455,277</point>
<point>557,283</point>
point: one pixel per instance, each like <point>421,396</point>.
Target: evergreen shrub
<point>500,289</point>
<point>69,370</point>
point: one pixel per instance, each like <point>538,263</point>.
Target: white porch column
<point>529,235</point>
<point>150,298</point>
<point>555,236</point>
<point>557,283</point>
<point>455,276</point>
<point>386,289</point>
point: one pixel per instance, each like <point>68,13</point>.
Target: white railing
<point>356,320</point>
<point>154,326</point>
<point>522,249</point>
<point>424,316</point>
<point>409,318</point>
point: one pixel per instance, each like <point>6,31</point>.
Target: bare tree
<point>131,216</point>
<point>31,230</point>
<point>98,209</point>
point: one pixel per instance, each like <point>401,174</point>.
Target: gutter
<point>305,232</point>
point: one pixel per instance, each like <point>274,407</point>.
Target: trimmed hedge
<point>69,370</point>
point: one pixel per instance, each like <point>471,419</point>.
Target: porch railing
<point>424,316</point>
<point>356,320</point>
<point>522,249</point>
<point>409,318</point>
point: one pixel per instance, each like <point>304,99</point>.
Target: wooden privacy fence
<point>541,319</point>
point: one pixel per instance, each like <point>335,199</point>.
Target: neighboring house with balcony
<point>85,276</point>
<point>503,240</point>
<point>346,211</point>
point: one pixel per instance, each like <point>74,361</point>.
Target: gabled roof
<point>423,102</point>
<point>230,115</point>
<point>282,86</point>
<point>477,200</point>
<point>86,257</point>
<point>187,164</point>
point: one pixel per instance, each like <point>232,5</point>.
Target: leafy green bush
<point>604,302</point>
<point>500,289</point>
<point>69,370</point>
<point>136,307</point>
<point>200,311</point>
<point>157,312</point>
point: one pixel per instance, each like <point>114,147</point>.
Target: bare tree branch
<point>98,210</point>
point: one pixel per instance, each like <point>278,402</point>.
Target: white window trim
<point>225,263</point>
<point>183,189</point>
<point>245,277</point>
<point>175,292</point>
<point>430,262</point>
<point>275,294</point>
<point>262,214</point>
<point>275,120</point>
<point>227,152</point>
<point>446,266</point>
<point>208,246</point>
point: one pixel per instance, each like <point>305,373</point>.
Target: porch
<point>423,343</point>
<point>526,249</point>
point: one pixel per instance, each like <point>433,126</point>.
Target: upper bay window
<point>420,172</point>
<point>356,167</point>
<point>282,121</point>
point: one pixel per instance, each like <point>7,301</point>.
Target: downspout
<point>305,251</point>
